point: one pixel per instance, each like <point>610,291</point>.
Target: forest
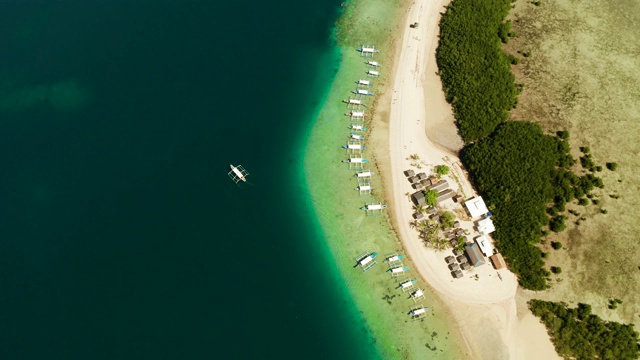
<point>525,176</point>
<point>470,45</point>
<point>578,334</point>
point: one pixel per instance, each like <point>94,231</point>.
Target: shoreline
<point>348,232</point>
<point>417,94</point>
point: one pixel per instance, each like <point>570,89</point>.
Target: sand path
<point>419,112</point>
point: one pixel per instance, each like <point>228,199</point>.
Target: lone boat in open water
<point>238,173</point>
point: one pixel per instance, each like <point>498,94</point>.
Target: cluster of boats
<point>355,142</point>
<point>398,271</point>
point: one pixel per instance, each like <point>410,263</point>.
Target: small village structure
<point>474,255</point>
<point>476,207</point>
<point>498,261</point>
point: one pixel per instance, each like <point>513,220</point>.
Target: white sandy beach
<point>421,122</point>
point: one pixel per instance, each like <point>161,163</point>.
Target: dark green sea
<point>121,236</point>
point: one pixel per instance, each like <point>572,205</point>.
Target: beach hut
<point>439,186</point>
<point>498,261</point>
<point>457,274</point>
<point>454,266</point>
<point>413,179</point>
<point>433,179</point>
<point>418,216</point>
<point>465,266</point>
<point>425,182</point>
<point>450,259</point>
<point>422,176</point>
<point>453,242</point>
<point>418,199</point>
<point>417,186</point>
<point>409,173</point>
<point>445,195</point>
<point>435,217</point>
<point>458,198</point>
<point>457,252</point>
<point>474,255</point>
<point>433,210</point>
<point>456,223</point>
<point>461,259</point>
<point>476,207</point>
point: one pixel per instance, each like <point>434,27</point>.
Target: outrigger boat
<point>356,160</point>
<point>373,63</point>
<point>353,147</point>
<point>394,258</point>
<point>358,127</point>
<point>368,49</point>
<point>356,114</point>
<point>373,73</point>
<point>356,137</point>
<point>238,173</point>
<point>365,82</point>
<point>407,284</point>
<point>363,92</point>
<point>367,259</point>
<point>418,295</point>
<point>353,102</point>
<point>363,174</point>
<point>398,270</point>
<point>418,313</point>
<point>362,188</point>
<point>374,207</point>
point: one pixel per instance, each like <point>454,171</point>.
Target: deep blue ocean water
<point>121,236</point>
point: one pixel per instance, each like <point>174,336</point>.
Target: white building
<point>476,207</point>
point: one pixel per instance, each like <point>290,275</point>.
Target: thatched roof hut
<point>465,266</point>
<point>450,259</point>
<point>409,173</point>
<point>413,179</point>
<point>422,176</point>
<point>462,259</point>
<point>454,266</point>
<point>418,216</point>
<point>457,252</point>
<point>418,198</point>
<point>457,274</point>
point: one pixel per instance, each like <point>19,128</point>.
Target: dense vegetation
<point>512,169</point>
<point>578,334</point>
<point>524,175</point>
<point>470,45</point>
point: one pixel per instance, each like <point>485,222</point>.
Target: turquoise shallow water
<point>121,236</point>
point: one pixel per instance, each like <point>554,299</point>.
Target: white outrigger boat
<point>354,147</point>
<point>356,137</point>
<point>407,285</point>
<point>356,161</point>
<point>375,207</point>
<point>398,270</point>
<point>238,173</point>
<point>373,73</point>
<point>418,313</point>
<point>363,92</point>
<point>366,260</point>
<point>365,82</point>
<point>353,102</point>
<point>356,114</point>
<point>368,50</point>
<point>364,188</point>
<point>373,63</point>
<point>364,174</point>
<point>393,258</point>
<point>358,128</point>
